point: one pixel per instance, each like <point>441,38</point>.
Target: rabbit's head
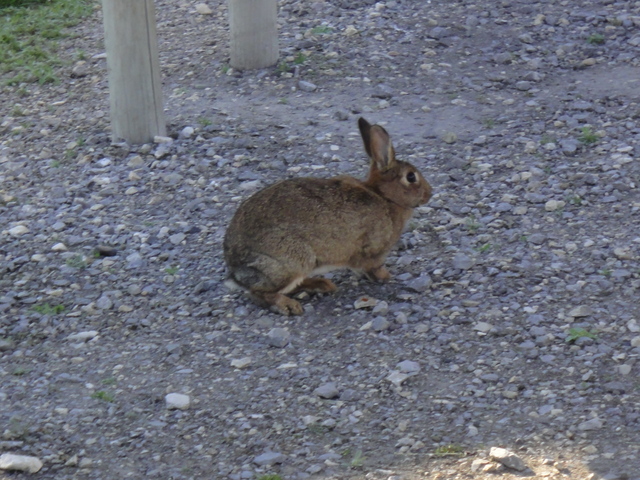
<point>398,181</point>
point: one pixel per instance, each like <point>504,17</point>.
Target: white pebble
<point>59,247</point>
<point>177,401</point>
<point>18,230</point>
<point>241,362</point>
<point>22,463</point>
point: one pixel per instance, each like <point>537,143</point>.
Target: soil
<point>512,319</point>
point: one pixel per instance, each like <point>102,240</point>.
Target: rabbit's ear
<point>377,144</point>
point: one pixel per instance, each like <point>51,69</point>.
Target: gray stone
<point>581,311</point>
<point>380,324</point>
<point>177,238</point>
<point>462,261</point>
<point>278,337</point>
<point>307,86</point>
<point>591,424</point>
<point>537,238</point>
<point>408,366</point>
<point>420,284</point>
<point>104,303</point>
<point>569,146</point>
<point>328,391</point>
<point>507,458</point>
<point>269,458</point>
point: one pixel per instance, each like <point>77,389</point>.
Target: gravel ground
<point>512,319</point>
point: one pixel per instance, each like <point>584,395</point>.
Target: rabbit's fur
<point>288,232</point>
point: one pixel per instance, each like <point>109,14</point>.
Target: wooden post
<point>254,33</point>
<point>135,89</point>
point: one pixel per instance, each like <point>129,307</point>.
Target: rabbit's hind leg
<point>316,285</point>
<point>279,302</point>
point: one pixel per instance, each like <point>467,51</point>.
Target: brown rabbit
<point>286,233</point>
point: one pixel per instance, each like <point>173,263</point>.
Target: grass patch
<point>595,39</point>
<point>576,333</point>
<point>204,122</point>
<point>484,248</point>
<point>472,224</point>
<point>451,450</point>
<point>46,309</point>
<point>29,35</point>
<point>270,476</point>
<point>171,270</point>
<point>104,396</point>
<point>321,30</point>
<point>587,136</point>
<point>77,261</point>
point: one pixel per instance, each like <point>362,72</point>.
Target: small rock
<point>365,302</point>
<point>328,391</point>
<point>350,31</point>
<point>420,284</point>
<point>483,327</point>
<point>478,463</point>
<point>635,341</point>
<point>18,230</point>
<point>553,205</point>
<point>203,9</point>
<point>177,401</point>
<point>187,132</point>
<point>462,261</point>
<point>537,238</point>
<point>59,247</point>
<point>241,363</point>
<point>507,458</point>
<point>380,324</point>
<point>591,424</point>
<point>104,303</point>
<point>269,458</point>
<point>397,378</point>
<point>624,369</point>
<point>569,146</point>
<point>449,137</point>
<point>408,366</point>
<point>83,336</point>
<point>278,337</point>
<point>22,463</point>
<point>581,311</point>
<point>80,69</point>
<point>307,86</point>
<point>177,238</point>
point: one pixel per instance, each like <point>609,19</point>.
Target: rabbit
<point>286,233</point>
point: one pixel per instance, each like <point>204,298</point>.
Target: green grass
<point>472,224</point>
<point>451,450</point>
<point>29,35</point>
<point>76,262</point>
<point>270,476</point>
<point>104,396</point>
<point>321,30</point>
<point>595,39</point>
<point>46,309</point>
<point>576,333</point>
<point>205,122</point>
<point>299,59</point>
<point>484,248</point>
<point>587,136</point>
<point>171,270</point>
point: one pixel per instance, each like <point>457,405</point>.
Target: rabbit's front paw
<point>380,274</point>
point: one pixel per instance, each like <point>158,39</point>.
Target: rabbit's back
<point>312,221</point>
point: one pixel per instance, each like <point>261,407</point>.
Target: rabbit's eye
<point>411,177</point>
